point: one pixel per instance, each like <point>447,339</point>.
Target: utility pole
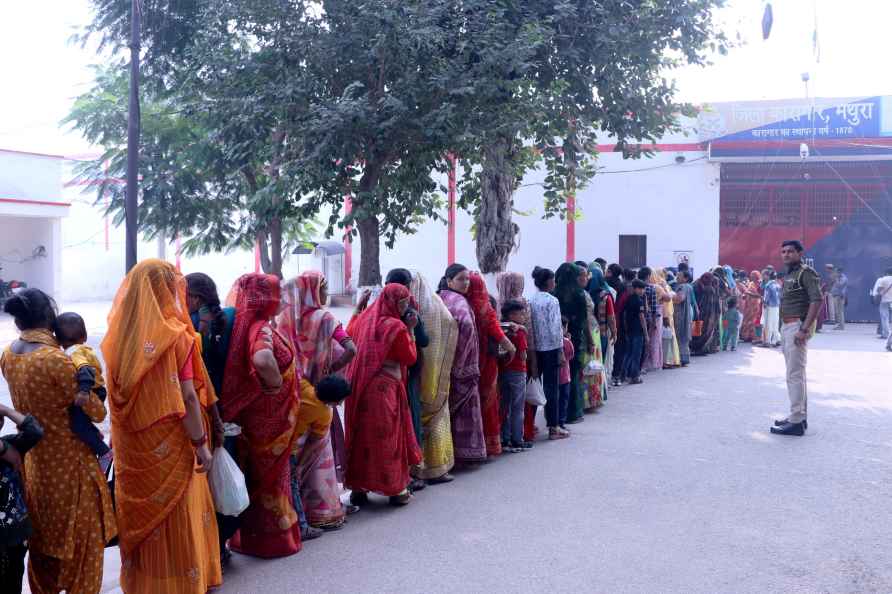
<point>131,204</point>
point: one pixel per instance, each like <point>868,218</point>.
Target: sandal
<point>402,499</point>
<point>350,509</point>
<point>311,533</point>
<point>441,480</point>
<point>333,527</point>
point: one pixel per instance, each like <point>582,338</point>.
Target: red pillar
<point>179,260</point>
<point>451,215</point>
<point>257,257</point>
<point>348,245</point>
<point>571,228</point>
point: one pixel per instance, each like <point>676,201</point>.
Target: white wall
<point>27,176</point>
<point>31,205</point>
<point>675,205</point>
<point>93,269</point>
<point>18,237</point>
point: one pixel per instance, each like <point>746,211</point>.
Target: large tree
<point>318,100</point>
<point>600,70</point>
<point>222,96</point>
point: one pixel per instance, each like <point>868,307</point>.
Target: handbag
<point>697,328</point>
<point>667,333</point>
<point>592,368</point>
<point>227,485</point>
<point>535,394</point>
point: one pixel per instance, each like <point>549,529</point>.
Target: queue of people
<point>431,379</point>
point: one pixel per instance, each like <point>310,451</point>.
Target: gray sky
<point>42,72</point>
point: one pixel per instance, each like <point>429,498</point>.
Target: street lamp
<point>131,204</point>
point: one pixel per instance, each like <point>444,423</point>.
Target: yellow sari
<point>436,372</point>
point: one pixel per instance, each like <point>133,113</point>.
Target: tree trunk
<point>263,250</point>
<point>368,226</point>
<point>369,259</point>
<point>496,230</point>
<point>275,246</point>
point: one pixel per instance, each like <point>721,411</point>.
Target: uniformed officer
<point>800,304</point>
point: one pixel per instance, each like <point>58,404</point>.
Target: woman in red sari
<point>751,292</point>
<point>488,333</point>
<point>381,443</point>
<point>260,395</point>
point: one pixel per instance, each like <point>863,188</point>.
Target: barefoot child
<point>71,332</point>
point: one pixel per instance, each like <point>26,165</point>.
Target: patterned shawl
<point>466,364</point>
<point>375,332</point>
<point>257,299</point>
<point>147,320</point>
<point>309,325</point>
<point>510,286</point>
<point>442,331</point>
<point>484,314</point>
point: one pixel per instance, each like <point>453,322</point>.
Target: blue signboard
<point>858,119</point>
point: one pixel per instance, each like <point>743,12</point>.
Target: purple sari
<point>468,439</point>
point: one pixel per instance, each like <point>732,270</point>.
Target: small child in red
<point>513,381</point>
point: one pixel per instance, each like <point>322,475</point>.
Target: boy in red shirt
<point>513,380</point>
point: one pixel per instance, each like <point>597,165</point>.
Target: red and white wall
<point>32,208</point>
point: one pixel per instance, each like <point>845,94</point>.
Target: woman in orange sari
<point>159,393</point>
<point>260,395</point>
<point>381,443</point>
<point>67,497</point>
<point>491,337</point>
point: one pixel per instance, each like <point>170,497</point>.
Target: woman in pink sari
<point>315,331</point>
<point>468,439</point>
<point>751,296</point>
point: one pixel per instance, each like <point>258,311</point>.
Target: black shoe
<point>783,422</point>
<point>417,485</point>
<point>789,429</point>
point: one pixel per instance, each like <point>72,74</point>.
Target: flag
<point>767,21</point>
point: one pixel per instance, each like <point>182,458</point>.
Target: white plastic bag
<point>535,395</point>
<point>593,367</point>
<point>228,485</point>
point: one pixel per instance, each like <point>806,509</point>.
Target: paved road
<point>676,486</point>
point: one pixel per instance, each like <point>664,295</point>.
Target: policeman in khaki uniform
<point>800,304</point>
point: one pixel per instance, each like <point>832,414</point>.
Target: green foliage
<point>258,113</point>
<point>190,185</point>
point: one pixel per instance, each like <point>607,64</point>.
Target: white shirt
<point>883,283</point>
<point>548,331</point>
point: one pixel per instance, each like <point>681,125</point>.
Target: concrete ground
<point>675,486</point>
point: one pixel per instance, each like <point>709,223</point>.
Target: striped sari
<point>438,356</point>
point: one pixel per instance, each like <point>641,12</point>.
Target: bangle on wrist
<point>197,443</point>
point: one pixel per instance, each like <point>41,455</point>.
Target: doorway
<point>632,251</point>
